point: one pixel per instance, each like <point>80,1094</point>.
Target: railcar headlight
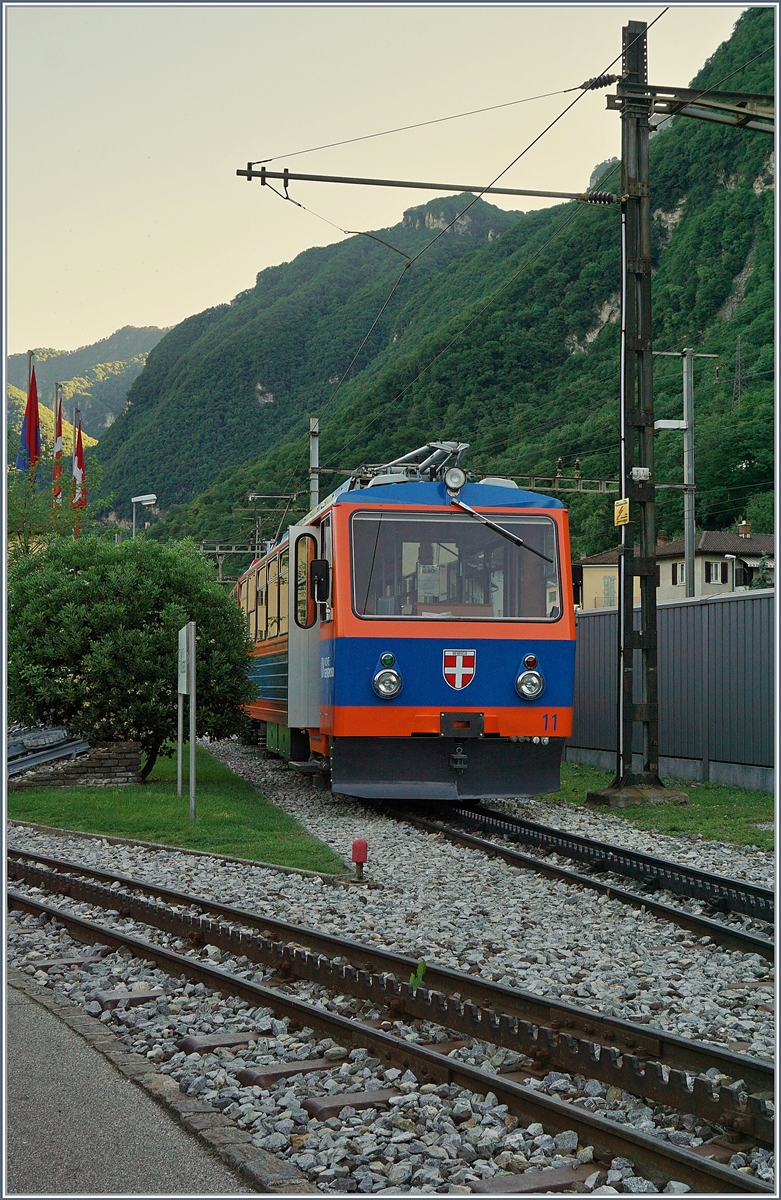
<point>529,685</point>
<point>387,684</point>
<point>455,479</point>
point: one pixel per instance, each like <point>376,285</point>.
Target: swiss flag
<point>458,667</point>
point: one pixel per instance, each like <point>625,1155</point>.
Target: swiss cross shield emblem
<point>458,667</point>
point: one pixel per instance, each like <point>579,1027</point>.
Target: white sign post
<point>186,687</point>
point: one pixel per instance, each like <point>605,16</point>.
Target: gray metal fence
<point>716,682</point>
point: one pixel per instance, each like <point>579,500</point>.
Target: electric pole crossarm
<point>735,117</point>
<point>744,110</point>
<point>287,177</point>
<point>758,102</point>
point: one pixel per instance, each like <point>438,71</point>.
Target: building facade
<point>723,562</point>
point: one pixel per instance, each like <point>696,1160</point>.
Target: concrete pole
<point>314,462</point>
<point>191,649</point>
<point>179,742</point>
<point>688,468</point>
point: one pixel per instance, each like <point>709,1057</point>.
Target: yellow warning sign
<point>621,512</point>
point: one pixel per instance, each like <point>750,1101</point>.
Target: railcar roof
<point>435,495</point>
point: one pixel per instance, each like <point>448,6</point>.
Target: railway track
<point>542,1034</point>
<point>723,894</point>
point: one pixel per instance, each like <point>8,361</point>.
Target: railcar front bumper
<point>444,768</point>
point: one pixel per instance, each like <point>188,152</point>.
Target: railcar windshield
<point>447,566</point>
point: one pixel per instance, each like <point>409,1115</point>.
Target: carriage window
<point>306,551</point>
<point>273,598</point>
<point>248,598</point>
<point>448,566</point>
<point>260,589</point>
<point>244,589</point>
<point>283,585</point>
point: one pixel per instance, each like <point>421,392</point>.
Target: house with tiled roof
<point>723,562</point>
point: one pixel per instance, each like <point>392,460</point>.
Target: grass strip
<point>232,817</point>
<point>716,812</point>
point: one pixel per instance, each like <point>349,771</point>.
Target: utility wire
<point>404,128</point>
<point>526,263</point>
<point>436,238</point>
<point>465,210</point>
<point>353,232</point>
<point>582,92</point>
<point>408,264</point>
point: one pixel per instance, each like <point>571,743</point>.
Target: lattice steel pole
<point>637,706</point>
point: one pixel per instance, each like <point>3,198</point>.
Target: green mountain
<point>504,334</point>
<point>232,382</point>
<point>96,377</point>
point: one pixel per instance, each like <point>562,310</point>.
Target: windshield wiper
<point>511,537</point>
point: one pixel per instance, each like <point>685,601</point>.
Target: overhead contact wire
<point>526,263</point>
<point>582,92</point>
<point>405,128</point>
<point>410,261</point>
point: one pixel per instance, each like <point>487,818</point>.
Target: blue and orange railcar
<point>414,637</point>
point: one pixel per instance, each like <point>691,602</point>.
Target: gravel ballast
<point>431,1139</point>
<point>451,906</point>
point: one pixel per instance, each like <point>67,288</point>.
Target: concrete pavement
<point>74,1124</point>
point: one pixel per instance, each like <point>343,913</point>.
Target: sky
<point>125,126</point>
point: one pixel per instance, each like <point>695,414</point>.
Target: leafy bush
<point>93,645</point>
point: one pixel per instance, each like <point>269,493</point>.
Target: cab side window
<point>327,552</point>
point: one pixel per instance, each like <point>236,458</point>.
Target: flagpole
<point>54,439</point>
<point>58,447</point>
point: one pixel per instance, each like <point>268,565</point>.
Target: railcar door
<point>303,694</point>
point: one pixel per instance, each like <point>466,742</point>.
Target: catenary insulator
<point>599,81</point>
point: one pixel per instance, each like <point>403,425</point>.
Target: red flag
<point>30,449</point>
<point>79,487</point>
<point>57,468</point>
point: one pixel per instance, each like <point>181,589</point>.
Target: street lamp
<point>148,500</point>
<point>734,565</point>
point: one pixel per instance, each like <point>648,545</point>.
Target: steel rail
<point>657,1159</point>
<point>548,1046</point>
<point>36,758</point>
<point>732,939</point>
<point>644,1041</point>
<point>723,893</point>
